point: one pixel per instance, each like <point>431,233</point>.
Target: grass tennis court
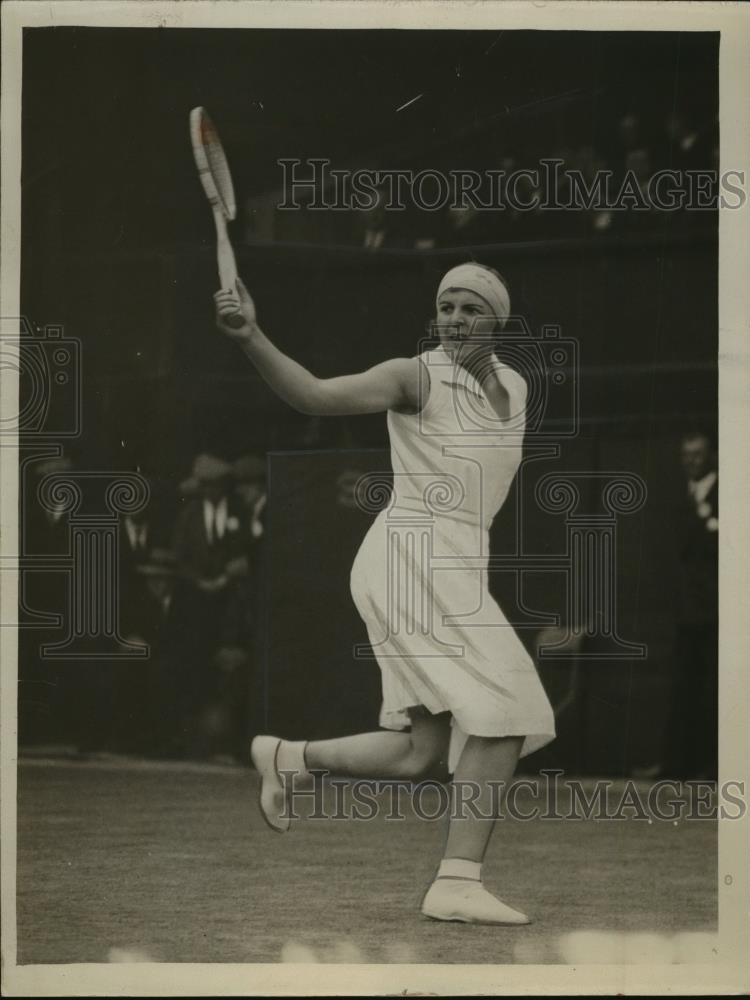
<point>128,860</point>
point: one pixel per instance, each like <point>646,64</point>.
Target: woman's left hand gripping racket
<point>217,183</point>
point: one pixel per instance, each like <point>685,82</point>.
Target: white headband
<point>483,283</point>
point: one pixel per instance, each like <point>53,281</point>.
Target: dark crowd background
<point>117,250</point>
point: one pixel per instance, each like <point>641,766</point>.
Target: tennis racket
<point>213,170</point>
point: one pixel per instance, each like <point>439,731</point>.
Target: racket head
<point>211,162</point>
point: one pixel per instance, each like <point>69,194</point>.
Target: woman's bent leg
<point>380,755</point>
<point>387,755</point>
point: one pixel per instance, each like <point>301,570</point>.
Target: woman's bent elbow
<point>311,407</point>
<point>310,401</point>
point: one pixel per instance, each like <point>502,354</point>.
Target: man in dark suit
<point>692,731</point>
<point>45,685</point>
<point>151,703</point>
<point>241,652</point>
<point>136,539</point>
<point>208,534</point>
<point>208,541</point>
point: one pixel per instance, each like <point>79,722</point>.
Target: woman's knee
<point>424,763</point>
<point>428,751</point>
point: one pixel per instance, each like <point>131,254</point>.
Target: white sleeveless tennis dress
<point>419,579</point>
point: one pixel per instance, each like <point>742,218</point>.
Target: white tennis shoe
<point>467,901</point>
<point>271,756</point>
<point>264,753</point>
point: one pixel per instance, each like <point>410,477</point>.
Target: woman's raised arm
<point>392,385</point>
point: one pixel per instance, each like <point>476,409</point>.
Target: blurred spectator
<point>372,225</point>
<point>250,489</point>
<point>384,226</point>
<point>208,542</point>
<point>466,225</point>
<point>687,147</point>
<point>135,541</point>
<point>591,163</point>
<point>250,477</point>
<point>187,489</point>
<point>45,688</point>
<point>150,694</point>
<point>691,749</point>
<point>157,573</point>
<point>134,536</point>
<point>208,528</point>
<point>237,658</point>
<point>464,220</point>
<point>45,523</point>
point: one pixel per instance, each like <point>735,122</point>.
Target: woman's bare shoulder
<point>414,376</point>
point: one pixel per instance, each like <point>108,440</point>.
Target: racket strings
<point>213,164</point>
<point>219,168</point>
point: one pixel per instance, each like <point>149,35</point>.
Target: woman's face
<point>460,323</point>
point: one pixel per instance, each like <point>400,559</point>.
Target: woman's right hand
<point>230,303</point>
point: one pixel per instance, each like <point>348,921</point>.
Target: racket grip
<point>224,252</point>
<point>236,320</point>
<point>227,266</point>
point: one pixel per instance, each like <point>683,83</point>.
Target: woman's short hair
<point>497,274</point>
<point>499,326</point>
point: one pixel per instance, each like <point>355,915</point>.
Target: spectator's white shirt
<point>215,518</point>
<point>256,525</point>
<point>700,488</point>
<point>136,533</point>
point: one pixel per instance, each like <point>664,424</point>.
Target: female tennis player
<point>460,693</point>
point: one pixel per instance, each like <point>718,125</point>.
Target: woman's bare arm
<point>392,385</point>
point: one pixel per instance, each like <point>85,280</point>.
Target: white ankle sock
<point>460,868</point>
<point>291,757</point>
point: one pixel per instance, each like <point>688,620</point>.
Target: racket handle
<point>227,265</point>
<point>236,320</point>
